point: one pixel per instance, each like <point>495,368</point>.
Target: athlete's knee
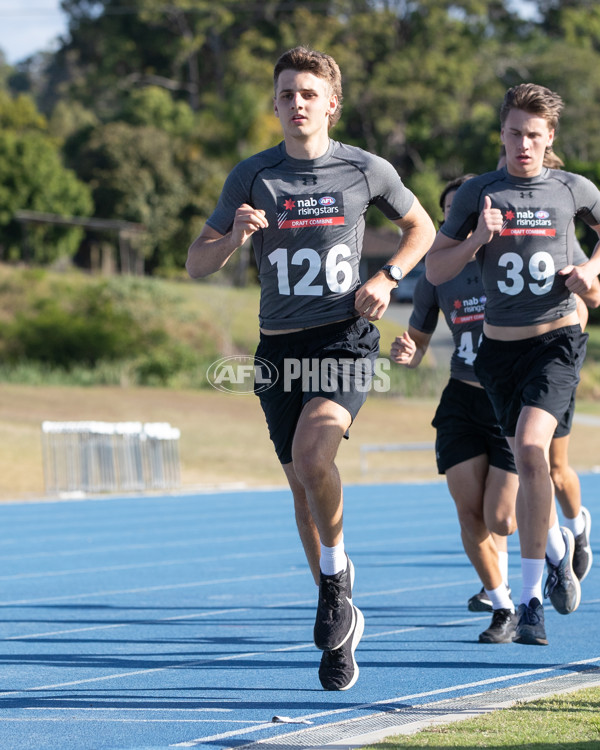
<point>501,523</point>
<point>560,476</point>
<point>531,461</point>
<point>471,521</point>
<point>311,465</point>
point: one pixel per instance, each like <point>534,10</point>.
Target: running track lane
<point>186,621</point>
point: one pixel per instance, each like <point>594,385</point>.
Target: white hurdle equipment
<point>94,456</point>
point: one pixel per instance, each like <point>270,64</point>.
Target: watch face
<point>395,272</point>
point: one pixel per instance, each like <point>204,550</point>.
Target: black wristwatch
<point>394,272</point>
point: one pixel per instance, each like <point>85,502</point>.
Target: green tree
<point>135,177</point>
<point>33,177</point>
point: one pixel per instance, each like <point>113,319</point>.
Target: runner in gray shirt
<point>470,448</point>
<point>518,221</point>
<point>303,203</point>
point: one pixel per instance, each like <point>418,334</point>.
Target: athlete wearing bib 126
<point>520,264</point>
<point>304,282</point>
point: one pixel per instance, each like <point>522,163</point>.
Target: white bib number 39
<point>541,270</point>
<point>338,272</point>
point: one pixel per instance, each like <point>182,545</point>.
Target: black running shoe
<point>562,585</point>
<point>502,628</point>
<point>582,557</point>
<point>335,615</point>
<point>481,602</point>
<point>338,669</point>
<point>530,628</point>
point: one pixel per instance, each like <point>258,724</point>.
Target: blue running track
<point>186,621</point>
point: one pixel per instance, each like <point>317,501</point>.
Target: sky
<point>30,26</point>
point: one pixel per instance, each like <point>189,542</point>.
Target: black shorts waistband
<point>309,333</point>
<point>543,338</point>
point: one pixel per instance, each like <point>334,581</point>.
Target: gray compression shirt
<point>520,264</point>
<point>308,257</point>
<point>462,302</point>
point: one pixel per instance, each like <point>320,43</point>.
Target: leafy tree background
<point>146,106</point>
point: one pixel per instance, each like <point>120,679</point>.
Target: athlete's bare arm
<point>373,297</point>
<point>210,251</point>
<point>583,279</point>
<point>448,257</point>
<point>409,349</point>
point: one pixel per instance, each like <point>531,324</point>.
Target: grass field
<point>561,722</point>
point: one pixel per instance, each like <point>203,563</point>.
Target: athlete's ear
<point>275,110</point>
<point>333,104</point>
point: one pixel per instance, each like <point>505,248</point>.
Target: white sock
<point>555,544</point>
<point>500,599</point>
<point>533,572</point>
<point>503,565</point>
<point>576,525</point>
<point>333,559</point>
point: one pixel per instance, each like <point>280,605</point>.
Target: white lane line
<point>391,701</point>
<point>144,709</point>
<point>177,561</point>
<point>142,565</point>
<point>294,603</point>
<point>153,621</point>
<point>228,657</point>
<point>196,542</point>
<point>109,720</point>
<point>128,533</point>
<point>148,589</point>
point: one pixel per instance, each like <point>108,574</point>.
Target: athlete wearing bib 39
<point>518,220</point>
<point>303,203</point>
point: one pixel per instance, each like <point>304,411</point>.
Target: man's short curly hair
<point>319,64</point>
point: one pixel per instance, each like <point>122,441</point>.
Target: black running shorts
<point>542,371</point>
<point>467,427</point>
<point>566,421</point>
<point>334,361</point>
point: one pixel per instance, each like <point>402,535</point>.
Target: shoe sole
<point>357,634</point>
<point>529,640</point>
<point>588,549</point>
<point>489,639</point>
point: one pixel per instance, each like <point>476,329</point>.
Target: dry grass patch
<point>224,437</point>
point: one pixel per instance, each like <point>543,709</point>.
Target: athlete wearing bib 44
<point>303,203</point>
<point>519,220</point>
<point>470,448</point>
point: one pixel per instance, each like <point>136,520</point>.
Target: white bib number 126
<point>338,272</point>
<point>541,270</point>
